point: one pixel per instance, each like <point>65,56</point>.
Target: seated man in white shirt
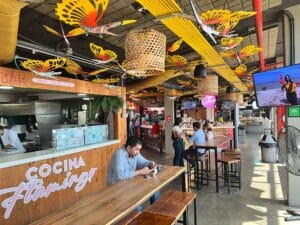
<point>10,139</point>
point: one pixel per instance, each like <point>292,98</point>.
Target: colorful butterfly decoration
<point>177,60</point>
<point>175,46</point>
<point>218,22</point>
<point>103,56</point>
<point>75,69</point>
<point>44,68</point>
<point>184,83</point>
<point>71,33</point>
<point>87,14</point>
<point>230,43</point>
<point>241,70</point>
<point>245,52</point>
<point>106,81</point>
<point>224,20</point>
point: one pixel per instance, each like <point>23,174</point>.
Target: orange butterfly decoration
<point>245,52</point>
<point>177,60</point>
<point>73,68</point>
<point>241,70</point>
<point>103,56</point>
<point>87,14</point>
<point>44,68</point>
<point>175,46</point>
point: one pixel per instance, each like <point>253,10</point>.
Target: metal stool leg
<point>228,177</point>
<point>195,211</point>
<point>202,173</point>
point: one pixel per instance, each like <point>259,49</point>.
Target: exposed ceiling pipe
<point>9,17</point>
<point>257,7</point>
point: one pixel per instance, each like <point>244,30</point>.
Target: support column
<point>293,181</point>
<point>169,121</point>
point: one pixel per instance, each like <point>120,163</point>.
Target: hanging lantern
<point>236,97</point>
<point>208,101</point>
<point>208,86</point>
<point>145,52</point>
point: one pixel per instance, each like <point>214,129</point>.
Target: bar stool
<point>201,173</point>
<point>231,169</point>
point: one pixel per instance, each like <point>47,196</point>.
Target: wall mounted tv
<point>189,105</point>
<point>278,87</point>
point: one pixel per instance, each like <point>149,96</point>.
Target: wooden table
<point>116,201</point>
<point>214,145</point>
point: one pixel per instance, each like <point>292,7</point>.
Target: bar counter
<point>15,159</point>
<point>36,184</point>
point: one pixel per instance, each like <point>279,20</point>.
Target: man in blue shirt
<point>128,162</point>
<point>198,138</point>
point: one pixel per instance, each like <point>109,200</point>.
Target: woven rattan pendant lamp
<point>145,52</point>
<point>235,97</point>
<point>208,86</point>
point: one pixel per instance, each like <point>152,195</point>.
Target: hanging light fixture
<point>208,101</point>
<point>145,52</point>
<point>236,97</point>
<point>200,71</point>
<point>208,85</point>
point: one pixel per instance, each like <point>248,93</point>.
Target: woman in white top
<point>10,139</point>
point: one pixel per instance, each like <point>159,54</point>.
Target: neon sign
<point>34,188</point>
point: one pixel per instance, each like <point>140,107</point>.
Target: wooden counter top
<point>114,202</point>
<point>23,158</point>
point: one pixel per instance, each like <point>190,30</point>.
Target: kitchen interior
<point>46,120</point>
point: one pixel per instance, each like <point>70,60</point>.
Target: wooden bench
<point>146,218</point>
<point>129,218</point>
<point>168,209</point>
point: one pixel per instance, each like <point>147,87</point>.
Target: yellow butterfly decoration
<point>245,52</point>
<point>87,14</point>
<point>106,81</point>
<point>44,68</point>
<point>175,46</point>
<point>215,16</point>
<point>249,50</point>
<point>176,60</point>
<point>230,43</point>
<point>75,69</point>
<point>71,33</point>
<point>184,83</point>
<point>224,19</point>
<point>241,70</point>
<point>103,56</point>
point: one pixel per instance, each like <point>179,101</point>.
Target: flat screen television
<point>278,87</point>
<point>189,105</point>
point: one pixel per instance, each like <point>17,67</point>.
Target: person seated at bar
<point>198,138</point>
<point>178,146</point>
<point>155,130</point>
<point>128,162</point>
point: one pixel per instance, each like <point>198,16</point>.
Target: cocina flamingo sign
<point>34,188</point>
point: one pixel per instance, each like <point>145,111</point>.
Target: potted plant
<point>111,105</point>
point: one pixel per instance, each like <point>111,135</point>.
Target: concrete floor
<point>262,199</point>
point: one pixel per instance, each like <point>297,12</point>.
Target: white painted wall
<point>293,181</point>
<point>169,111</point>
